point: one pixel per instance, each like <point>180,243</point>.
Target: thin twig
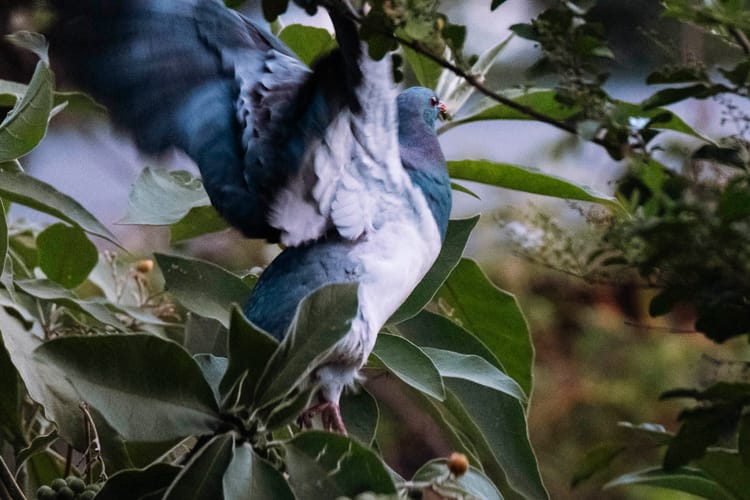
<point>68,461</point>
<point>475,82</point>
<point>9,482</point>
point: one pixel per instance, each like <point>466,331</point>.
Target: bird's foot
<point>330,415</point>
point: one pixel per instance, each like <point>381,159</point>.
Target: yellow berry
<point>144,266</point>
<point>458,464</point>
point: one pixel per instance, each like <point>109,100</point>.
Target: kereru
<point>327,161</point>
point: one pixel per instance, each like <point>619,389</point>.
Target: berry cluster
<point>70,488</point>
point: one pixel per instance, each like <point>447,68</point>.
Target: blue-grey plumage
<point>388,262</point>
<point>324,159</point>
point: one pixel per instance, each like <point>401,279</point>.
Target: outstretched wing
<point>286,153</point>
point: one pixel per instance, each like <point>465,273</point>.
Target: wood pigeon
<point>327,160</point>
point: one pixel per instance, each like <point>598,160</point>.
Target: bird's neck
<point>424,162</point>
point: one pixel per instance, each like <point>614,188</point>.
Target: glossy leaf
<point>527,180</point>
<point>493,316</point>
<point>701,428</point>
<point>26,124</point>
<point>473,482</point>
<point>425,70</point>
<point>161,197</point>
<point>147,388</point>
<point>672,95</point>
<point>66,255</point>
<point>218,289</point>
<point>139,483</point>
<point>38,445</point>
<point>322,319</point>
<point>595,460</point>
<point>45,383</point>
<point>203,476</point>
<point>213,368</point>
<point>685,479</point>
<point>409,363</point>
<point>474,369</point>
<point>3,238</point>
<point>11,401</point>
<point>26,190</point>
<point>361,413</point>
<point>51,291</point>
<point>197,222</point>
<point>325,465</point>
<point>307,42</point>
<point>428,329</point>
<point>496,426</point>
<point>249,350</point>
<point>726,468</point>
<point>249,476</point>
<point>453,247</point>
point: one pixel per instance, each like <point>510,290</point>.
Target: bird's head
<point>421,101</point>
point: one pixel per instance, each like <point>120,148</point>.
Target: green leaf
<point>495,424</point>
<point>161,197</point>
<point>139,483</point>
<point>3,238</point>
<point>409,363</point>
<point>46,384</point>
<point>213,368</point>
<point>744,440</point>
<point>205,336</point>
<point>250,477</point>
<point>25,190</point>
<point>473,482</point>
<point>493,316</point>
<point>361,413</point>
<point>426,70</point>
<point>686,479</point>
<point>323,318</point>
<point>307,42</point>
<point>701,428</point>
<point>51,291</point>
<point>249,349</point>
<point>453,247</point>
<point>324,465</point>
<point>496,3</point>
<point>673,95</point>
<point>202,477</point>
<point>727,469</point>
<point>38,445</point>
<point>42,469</point>
<point>274,8</point>
<point>596,459</point>
<point>432,330</point>
<point>147,388</point>
<point>11,401</point>
<point>218,289</point>
<point>454,91</point>
<point>542,101</point>
<point>474,369</point>
<point>528,180</point>
<point>26,124</point>
<point>197,222</point>
<point>66,255</point>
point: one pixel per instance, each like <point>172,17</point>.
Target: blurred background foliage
<point>612,306</point>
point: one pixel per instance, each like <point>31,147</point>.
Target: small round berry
<point>65,493</point>
<point>458,464</point>
<point>75,483</point>
<point>46,493</point>
<point>144,266</point>
<point>58,484</point>
<point>87,495</point>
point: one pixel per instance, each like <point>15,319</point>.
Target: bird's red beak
<point>442,110</point>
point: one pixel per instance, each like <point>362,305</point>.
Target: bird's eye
<point>433,101</point>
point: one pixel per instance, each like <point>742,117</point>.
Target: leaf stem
<point>9,483</point>
<point>741,39</point>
